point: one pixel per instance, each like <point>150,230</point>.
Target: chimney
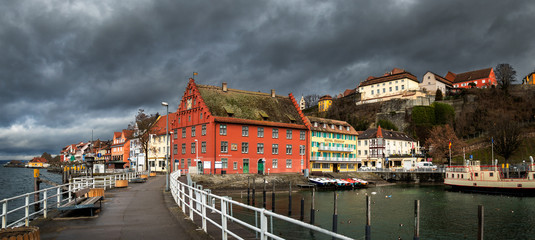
<point>225,87</point>
<point>273,93</point>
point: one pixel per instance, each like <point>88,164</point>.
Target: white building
<point>432,82</point>
<point>137,156</point>
<point>385,148</point>
<point>395,84</point>
<point>159,145</point>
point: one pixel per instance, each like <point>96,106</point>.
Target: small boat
<point>320,181</point>
<point>473,177</point>
<point>342,183</point>
<point>360,181</point>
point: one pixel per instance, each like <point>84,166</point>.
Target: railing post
<point>203,211</point>
<point>27,211</point>
<point>70,189</point>
<point>223,219</point>
<point>4,214</point>
<point>191,203</point>
<point>45,205</point>
<point>183,192</point>
<point>263,225</point>
<point>58,196</point>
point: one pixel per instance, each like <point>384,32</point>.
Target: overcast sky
<point>70,67</point>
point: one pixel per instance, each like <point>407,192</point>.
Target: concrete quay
<point>141,211</point>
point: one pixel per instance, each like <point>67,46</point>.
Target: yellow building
<point>529,79</point>
<point>333,146</point>
<point>325,103</point>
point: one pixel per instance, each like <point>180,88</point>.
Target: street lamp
<point>166,146</point>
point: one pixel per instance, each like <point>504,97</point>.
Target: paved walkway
<point>141,211</point>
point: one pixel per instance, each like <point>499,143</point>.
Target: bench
<point>81,201</point>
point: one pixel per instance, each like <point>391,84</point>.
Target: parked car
<point>426,166</point>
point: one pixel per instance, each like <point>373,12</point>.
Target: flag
<point>195,73</point>
<point>450,145</point>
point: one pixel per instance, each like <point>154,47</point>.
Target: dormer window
<point>332,126</point>
<point>347,128</point>
<point>325,125</point>
<point>340,127</point>
<point>315,124</point>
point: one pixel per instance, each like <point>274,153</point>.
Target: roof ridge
<point>240,91</point>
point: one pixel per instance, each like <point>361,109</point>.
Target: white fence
<point>195,201</point>
<point>19,210</point>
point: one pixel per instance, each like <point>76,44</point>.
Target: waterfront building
<point>67,153</point>
<point>432,82</point>
<point>325,103</point>
<point>158,143</point>
<point>529,79</point>
<point>120,149</point>
<point>222,130</point>
<point>333,146</point>
<point>482,78</point>
<point>378,148</point>
<point>397,83</point>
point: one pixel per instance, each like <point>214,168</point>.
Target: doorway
<point>261,166</point>
<point>245,166</point>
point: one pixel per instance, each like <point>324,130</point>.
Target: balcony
<point>335,149</point>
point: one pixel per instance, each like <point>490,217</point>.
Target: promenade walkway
<point>141,211</point>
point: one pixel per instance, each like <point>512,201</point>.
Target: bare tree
<point>506,135</point>
<point>506,75</point>
<point>143,129</point>
<point>439,140</point>
<point>311,100</point>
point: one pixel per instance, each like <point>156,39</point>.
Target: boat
<point>321,181</point>
<point>473,177</point>
<point>360,181</point>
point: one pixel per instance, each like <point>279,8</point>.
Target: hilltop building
<point>397,83</point>
<point>482,78</point>
<point>529,79</point>
<point>333,145</point>
<point>325,103</point>
<point>432,82</point>
<point>226,131</point>
<point>378,148</point>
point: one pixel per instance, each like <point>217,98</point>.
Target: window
<point>384,90</point>
<point>260,148</point>
<point>183,148</point>
<point>235,165</point>
<point>390,89</point>
<point>193,147</point>
<point>288,134</point>
<point>397,88</point>
<point>302,135</point>
<point>193,131</point>
<point>483,81</point>
<point>182,162</point>
<point>359,152</point>
<point>260,132</point>
<point>315,124</point>
<point>245,131</point>
<point>359,142</point>
<point>288,163</point>
<point>402,87</point>
<point>175,134</point>
<point>316,165</point>
<point>203,130</point>
<point>275,133</point>
<point>302,150</point>
<point>275,149</point>
<point>274,165</point>
<point>244,147</point>
<point>288,149</point>
<point>372,92</point>
<point>224,162</point>
<point>223,129</point>
<point>175,149</point>
<point>189,162</point>
<point>224,146</point>
<point>365,152</point>
<point>201,115</point>
<point>183,132</point>
<point>203,147</point>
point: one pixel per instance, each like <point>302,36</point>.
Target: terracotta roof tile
<point>329,122</point>
<point>389,78</point>
<point>472,75</point>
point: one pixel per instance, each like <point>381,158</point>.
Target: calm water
<point>17,181</point>
<point>443,214</point>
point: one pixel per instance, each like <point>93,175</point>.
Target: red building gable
<point>120,148</point>
<point>236,131</point>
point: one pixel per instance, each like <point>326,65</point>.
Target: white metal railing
<point>19,210</point>
<point>196,201</point>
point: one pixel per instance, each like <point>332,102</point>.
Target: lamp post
<point>166,146</point>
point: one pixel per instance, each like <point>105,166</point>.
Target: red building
<point>120,149</point>
<point>236,131</point>
<point>483,78</point>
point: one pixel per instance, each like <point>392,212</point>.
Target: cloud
<point>71,66</point>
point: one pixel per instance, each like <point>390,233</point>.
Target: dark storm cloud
<point>69,67</point>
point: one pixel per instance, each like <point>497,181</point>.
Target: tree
<point>143,129</point>
<point>505,74</point>
<point>472,85</point>
<point>438,95</point>
<point>386,124</point>
<point>311,100</point>
<point>439,140</point>
<point>506,135</point>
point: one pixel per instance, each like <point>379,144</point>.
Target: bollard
<point>264,193</point>
<point>312,211</point>
<point>254,191</point>
<point>416,219</point>
<point>302,208</point>
<point>290,201</point>
<point>481,219</point>
<point>335,214</point>
<point>273,199</point>
<point>368,219</point>
<point>36,183</point>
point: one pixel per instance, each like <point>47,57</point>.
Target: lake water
<point>443,214</point>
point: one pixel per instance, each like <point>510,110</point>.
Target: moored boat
<point>490,179</point>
